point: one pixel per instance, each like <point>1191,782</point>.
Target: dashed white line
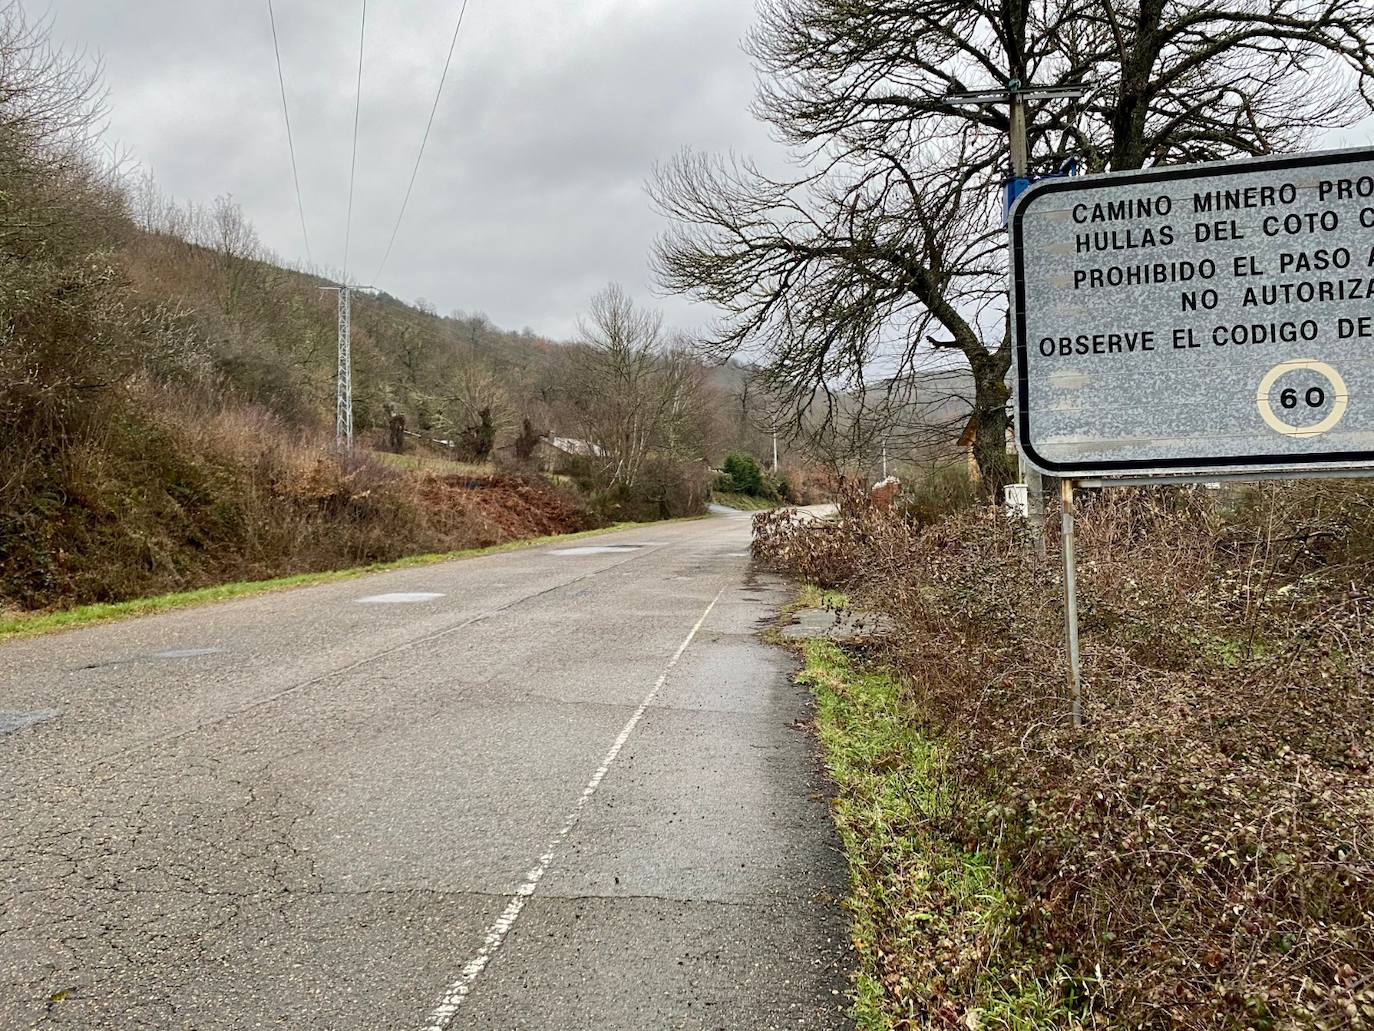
<point>458,991</point>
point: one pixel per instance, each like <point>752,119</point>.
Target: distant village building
<point>554,454</point>
<point>575,448</point>
<point>884,493</point>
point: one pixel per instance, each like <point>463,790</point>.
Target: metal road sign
<point>1198,320</point>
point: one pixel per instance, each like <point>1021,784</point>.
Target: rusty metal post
<point>1071,599</point>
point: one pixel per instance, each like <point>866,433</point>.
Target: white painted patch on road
<point>453,999</point>
<point>12,721</point>
<point>398,599</point>
<point>186,653</point>
<point>606,549</point>
<point>603,549</point>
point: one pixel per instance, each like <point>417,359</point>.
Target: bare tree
<point>52,100</point>
<point>475,328</point>
<point>682,388</point>
<point>414,348</point>
<point>234,243</point>
<point>62,342</point>
<point>478,408</point>
<point>889,247</point>
<point>636,395</point>
<point>52,111</point>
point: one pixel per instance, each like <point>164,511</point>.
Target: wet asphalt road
<point>569,792</point>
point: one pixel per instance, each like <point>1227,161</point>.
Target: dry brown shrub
<point>1202,854</point>
<point>512,507</point>
<point>173,493</point>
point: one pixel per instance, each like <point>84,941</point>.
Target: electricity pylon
<point>343,402</point>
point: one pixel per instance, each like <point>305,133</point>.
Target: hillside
<point>269,332</point>
<point>167,400</point>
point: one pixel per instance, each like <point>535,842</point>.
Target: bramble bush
<point>1201,855</point>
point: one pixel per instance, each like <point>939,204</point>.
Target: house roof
<point>573,446</point>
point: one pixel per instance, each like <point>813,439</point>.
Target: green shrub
<point>779,488</point>
<point>741,475</point>
<point>665,489</point>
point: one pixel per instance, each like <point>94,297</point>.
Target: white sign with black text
<point>1198,320</point>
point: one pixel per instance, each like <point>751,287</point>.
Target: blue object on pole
<point>1019,185</point>
<point>1015,187</point>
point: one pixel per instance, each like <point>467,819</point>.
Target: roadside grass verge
<point>812,597</point>
<point>936,923</point>
<point>743,502</point>
<point>37,623</point>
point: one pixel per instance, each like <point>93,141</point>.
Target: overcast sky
<point>531,196</point>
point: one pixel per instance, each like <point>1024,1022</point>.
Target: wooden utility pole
<point>1015,96</point>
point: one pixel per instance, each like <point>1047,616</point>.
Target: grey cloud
<point>531,194</point>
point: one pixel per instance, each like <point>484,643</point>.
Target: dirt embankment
<point>512,507</point>
<point>175,496</point>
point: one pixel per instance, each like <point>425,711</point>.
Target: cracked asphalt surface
<point>312,813</point>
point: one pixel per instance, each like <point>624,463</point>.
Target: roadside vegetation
<point>938,492</point>
<point>934,924</point>
<point>1201,855</point>
<point>742,502</point>
<point>743,484</point>
<point>167,390</point>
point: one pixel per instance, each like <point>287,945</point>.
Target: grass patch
<point>34,624</point>
<point>426,463</point>
<point>813,597</point>
<point>742,502</point>
<point>935,924</point>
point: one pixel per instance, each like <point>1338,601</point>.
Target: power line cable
<point>424,141</point>
<point>290,139</point>
<point>357,110</point>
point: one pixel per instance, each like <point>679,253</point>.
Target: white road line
<point>448,1007</point>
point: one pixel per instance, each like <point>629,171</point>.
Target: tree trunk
<point>990,422</point>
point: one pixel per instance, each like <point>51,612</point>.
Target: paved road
<point>569,792</point>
